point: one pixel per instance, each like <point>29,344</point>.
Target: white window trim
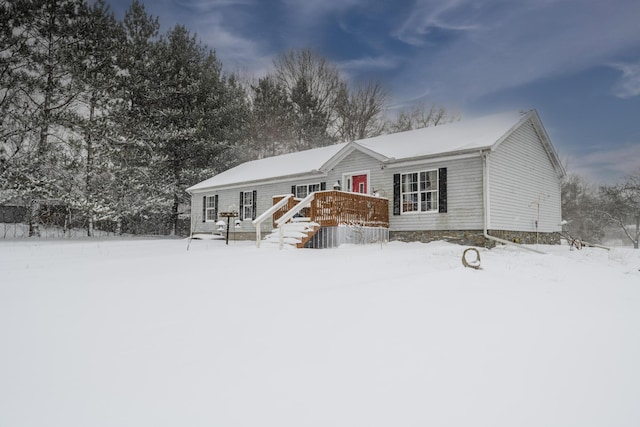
<point>317,184</point>
<point>247,205</point>
<point>207,208</point>
<point>436,191</point>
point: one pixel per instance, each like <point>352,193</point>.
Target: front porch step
<point>295,233</point>
<point>300,219</point>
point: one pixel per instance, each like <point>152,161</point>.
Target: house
<point>472,181</point>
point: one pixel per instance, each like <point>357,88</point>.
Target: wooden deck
<point>333,208</point>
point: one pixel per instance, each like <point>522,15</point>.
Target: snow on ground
<point>144,333</point>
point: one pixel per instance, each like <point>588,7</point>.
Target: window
<point>419,191</point>
<point>302,191</point>
<point>211,208</point>
<point>247,205</point>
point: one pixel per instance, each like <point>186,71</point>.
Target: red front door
<point>359,184</point>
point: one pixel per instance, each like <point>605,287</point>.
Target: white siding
<point>464,198</point>
<point>520,175</point>
<point>464,194</point>
<point>231,197</point>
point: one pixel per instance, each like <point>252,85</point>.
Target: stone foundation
<point>474,237</point>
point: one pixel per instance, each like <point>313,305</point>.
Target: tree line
<point>591,212</point>
<point>110,120</point>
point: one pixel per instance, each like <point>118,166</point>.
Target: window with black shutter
<point>419,192</point>
<point>442,190</point>
<point>255,204</point>
<point>396,194</point>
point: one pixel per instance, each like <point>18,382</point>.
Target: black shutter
<point>442,190</point>
<point>215,208</point>
<point>204,208</point>
<point>323,186</point>
<point>255,204</point>
<point>396,194</point>
<point>293,190</point>
<point>241,210</point>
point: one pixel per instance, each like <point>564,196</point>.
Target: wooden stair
<point>296,233</point>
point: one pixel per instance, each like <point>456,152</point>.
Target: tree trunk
<point>174,216</point>
<point>34,219</point>
<point>635,244</point>
<point>89,171</point>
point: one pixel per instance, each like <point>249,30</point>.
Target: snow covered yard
<point>144,333</point>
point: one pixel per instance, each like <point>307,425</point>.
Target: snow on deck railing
<point>297,208</point>
<point>266,214</point>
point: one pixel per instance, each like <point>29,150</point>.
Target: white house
<point>469,181</point>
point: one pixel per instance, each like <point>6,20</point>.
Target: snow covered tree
<point>13,103</point>
<point>196,115</point>
<point>581,208</point>
<point>621,206</point>
<point>48,35</point>
<point>97,74</point>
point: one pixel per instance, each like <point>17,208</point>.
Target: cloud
<point>629,84</point>
<point>499,44</point>
<point>607,166</point>
<point>383,62</point>
<point>431,15</point>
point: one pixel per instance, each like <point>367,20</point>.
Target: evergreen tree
<point>49,34</point>
<point>98,74</point>
<point>310,119</point>
<point>197,115</point>
<point>272,119</point>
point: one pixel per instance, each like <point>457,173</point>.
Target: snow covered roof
<point>465,135</point>
<point>298,163</point>
<point>458,137</point>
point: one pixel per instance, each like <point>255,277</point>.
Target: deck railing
<point>332,208</point>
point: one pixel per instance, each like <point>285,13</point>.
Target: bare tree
<point>359,111</point>
<point>621,206</point>
<point>420,116</point>
<point>581,208</point>
<point>320,78</point>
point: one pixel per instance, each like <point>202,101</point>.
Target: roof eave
<point>448,155</point>
<point>311,174</point>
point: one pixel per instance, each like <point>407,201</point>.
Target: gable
<point>532,125</point>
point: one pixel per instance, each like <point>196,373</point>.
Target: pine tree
<point>197,115</point>
<point>49,34</point>
<point>272,119</point>
<point>311,120</point>
<point>97,73</point>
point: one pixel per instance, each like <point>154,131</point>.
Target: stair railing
<point>291,213</point>
<point>267,214</point>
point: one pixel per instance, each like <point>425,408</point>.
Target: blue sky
<point>576,61</point>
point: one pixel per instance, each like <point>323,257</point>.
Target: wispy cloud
<point>370,63</point>
<point>607,166</point>
<point>429,15</point>
<point>629,84</point>
<point>507,44</point>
